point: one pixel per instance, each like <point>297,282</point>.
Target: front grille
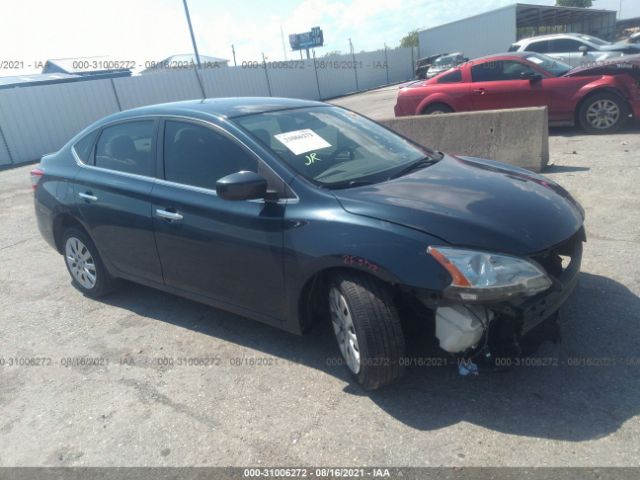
<point>559,258</point>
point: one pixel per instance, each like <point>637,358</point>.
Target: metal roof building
<point>494,31</point>
<point>37,79</point>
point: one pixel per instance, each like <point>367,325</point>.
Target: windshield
<point>331,146</point>
<point>551,65</point>
<point>594,40</point>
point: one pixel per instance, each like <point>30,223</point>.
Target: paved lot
<point>301,410</point>
<point>376,104</point>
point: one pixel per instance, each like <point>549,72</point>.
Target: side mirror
<point>531,76</point>
<point>583,49</point>
<point>242,186</point>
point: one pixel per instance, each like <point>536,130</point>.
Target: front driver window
<point>566,45</point>
<point>199,156</point>
<point>499,71</point>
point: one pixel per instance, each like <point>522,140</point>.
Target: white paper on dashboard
<point>302,141</point>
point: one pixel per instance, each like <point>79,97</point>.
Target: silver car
<point>445,62</point>
<point>574,48</point>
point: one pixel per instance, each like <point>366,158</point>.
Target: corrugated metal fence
<point>40,119</point>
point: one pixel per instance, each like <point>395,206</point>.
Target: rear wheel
<point>437,109</point>
<point>84,264</point>
<point>603,113</point>
<point>367,327</point>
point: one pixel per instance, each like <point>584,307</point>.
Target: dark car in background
<point>446,62</point>
<point>600,98</point>
<point>290,211</point>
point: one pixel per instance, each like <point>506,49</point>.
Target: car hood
<point>615,47</point>
<point>473,203</point>
<point>629,64</point>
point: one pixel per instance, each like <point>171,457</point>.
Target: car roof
<point>551,36</point>
<point>504,56</point>
<point>228,107</point>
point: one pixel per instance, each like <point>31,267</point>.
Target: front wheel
<point>603,113</point>
<point>367,327</point>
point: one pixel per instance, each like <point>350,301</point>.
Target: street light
<point>193,38</point>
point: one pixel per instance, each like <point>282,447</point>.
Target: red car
<point>600,98</point>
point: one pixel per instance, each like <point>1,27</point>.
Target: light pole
<point>620,10</point>
<point>193,38</point>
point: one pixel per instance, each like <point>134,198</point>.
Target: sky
<point>151,30</point>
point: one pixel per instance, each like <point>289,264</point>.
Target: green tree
<point>410,39</point>
<point>574,3</point>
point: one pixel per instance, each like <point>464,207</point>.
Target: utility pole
<point>193,38</point>
<point>233,50</point>
<point>284,48</point>
<point>353,58</point>
<point>620,11</point>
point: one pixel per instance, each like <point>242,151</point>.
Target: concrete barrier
<point>519,136</point>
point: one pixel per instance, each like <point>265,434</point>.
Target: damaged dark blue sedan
<point>290,211</point>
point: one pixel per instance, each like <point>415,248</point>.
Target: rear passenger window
<point>538,47</point>
<point>84,145</point>
<point>452,77</point>
<point>198,156</point>
<point>126,147</point>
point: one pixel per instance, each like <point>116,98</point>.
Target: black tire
<point>437,109</point>
<point>378,330</point>
<point>103,283</point>
<point>596,125</point>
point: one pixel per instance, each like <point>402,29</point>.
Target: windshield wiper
<point>423,162</point>
<point>349,184</point>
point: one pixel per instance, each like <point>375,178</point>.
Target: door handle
<point>479,90</point>
<point>173,216</point>
<point>88,196</point>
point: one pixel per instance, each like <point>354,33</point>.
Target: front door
<point>227,251</point>
<point>499,84</point>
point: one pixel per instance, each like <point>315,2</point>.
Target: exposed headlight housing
<point>481,276</point>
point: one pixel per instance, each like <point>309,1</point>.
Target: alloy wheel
<point>603,114</point>
<point>344,330</point>
<point>81,263</point>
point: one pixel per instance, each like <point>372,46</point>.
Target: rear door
<point>112,194</point>
<point>498,84</point>
<point>227,251</point>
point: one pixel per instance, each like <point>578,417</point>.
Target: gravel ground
<point>299,409</point>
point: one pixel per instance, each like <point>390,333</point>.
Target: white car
<point>574,48</point>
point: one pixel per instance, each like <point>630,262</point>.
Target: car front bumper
<point>516,318</point>
<point>532,311</point>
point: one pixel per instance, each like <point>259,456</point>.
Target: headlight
<point>488,276</point>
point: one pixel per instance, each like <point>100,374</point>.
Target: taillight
<point>36,175</point>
